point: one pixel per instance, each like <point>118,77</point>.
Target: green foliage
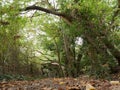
<point>8,77</point>
<point>35,37</point>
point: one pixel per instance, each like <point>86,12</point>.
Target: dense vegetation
<point>59,38</point>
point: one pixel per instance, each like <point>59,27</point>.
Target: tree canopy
<point>71,36</point>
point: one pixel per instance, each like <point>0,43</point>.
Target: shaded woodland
<point>59,38</point>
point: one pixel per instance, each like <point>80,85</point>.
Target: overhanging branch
<point>63,15</point>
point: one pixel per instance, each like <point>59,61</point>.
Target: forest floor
<point>80,83</point>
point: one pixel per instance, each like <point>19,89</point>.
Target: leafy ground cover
<point>80,83</point>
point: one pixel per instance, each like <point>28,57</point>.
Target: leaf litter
<point>79,83</point>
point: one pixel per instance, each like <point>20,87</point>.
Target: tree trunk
<point>59,59</point>
<point>113,50</point>
<point>69,56</point>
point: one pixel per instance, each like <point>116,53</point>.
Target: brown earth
<point>60,84</point>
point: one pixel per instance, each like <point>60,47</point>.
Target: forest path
<point>60,84</point>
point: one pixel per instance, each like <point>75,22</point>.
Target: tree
<point>90,18</point>
<point>63,21</point>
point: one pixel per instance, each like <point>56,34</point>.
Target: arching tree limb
<point>63,15</point>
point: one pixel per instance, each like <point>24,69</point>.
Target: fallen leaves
<point>114,82</point>
<point>61,84</point>
<point>89,87</point>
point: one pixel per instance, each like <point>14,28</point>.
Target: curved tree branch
<point>63,15</point>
